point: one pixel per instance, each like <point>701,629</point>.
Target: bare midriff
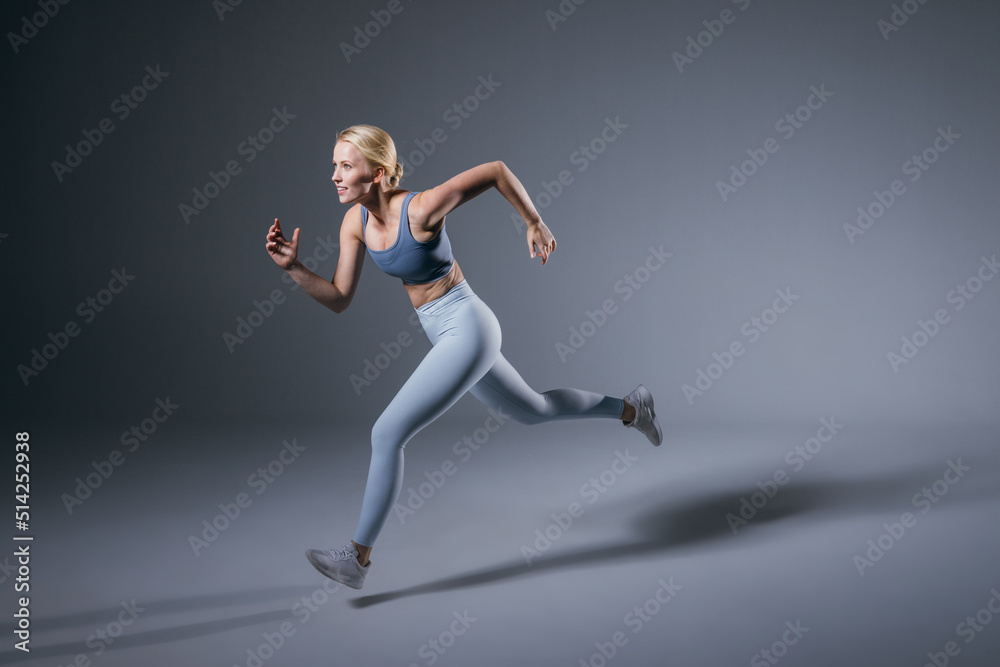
<point>427,292</point>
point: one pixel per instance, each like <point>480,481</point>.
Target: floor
<point>566,543</point>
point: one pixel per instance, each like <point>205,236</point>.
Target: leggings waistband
<point>456,293</point>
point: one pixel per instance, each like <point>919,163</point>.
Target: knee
<point>530,418</point>
<point>385,438</point>
<point>528,410</point>
<point>542,409</point>
<point>529,414</point>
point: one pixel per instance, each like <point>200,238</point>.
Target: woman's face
<point>352,174</point>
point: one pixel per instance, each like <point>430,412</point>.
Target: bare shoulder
<point>351,226</point>
<point>416,211</point>
<point>424,211</point>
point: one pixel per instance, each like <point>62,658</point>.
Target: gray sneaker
<point>645,418</point>
<point>340,565</point>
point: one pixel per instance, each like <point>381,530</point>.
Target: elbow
<point>339,299</point>
<point>336,301</point>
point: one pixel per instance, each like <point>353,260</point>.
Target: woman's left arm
<point>437,202</point>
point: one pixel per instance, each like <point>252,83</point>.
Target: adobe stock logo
<point>629,284</point>
<point>584,156</point>
<point>898,17</point>
<point>60,340</point>
<point>38,21</point>
<point>924,500</point>
<point>778,649</point>
<point>229,512</point>
<point>753,329</point>
<point>696,45</point>
<point>434,648</point>
<point>105,468</point>
<point>915,168</point>
<point>637,618</point>
<point>787,126</point>
<point>249,148</point>
<point>969,628</point>
<point>372,29</point>
<point>455,116</point>
<point>223,6</point>
<point>769,488</point>
<point>438,477</point>
<point>562,12</point>
<point>592,490</point>
<point>927,329</point>
<point>121,106</point>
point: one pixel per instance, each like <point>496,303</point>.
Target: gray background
<point>656,184</point>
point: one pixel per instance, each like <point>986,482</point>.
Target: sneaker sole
<point>648,399</point>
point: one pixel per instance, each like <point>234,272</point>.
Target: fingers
<point>275,238</point>
<point>543,249</point>
<point>275,231</point>
<point>544,253</point>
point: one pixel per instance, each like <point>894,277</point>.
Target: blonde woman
<point>404,232</point>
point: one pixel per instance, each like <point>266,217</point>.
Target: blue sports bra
<point>414,262</point>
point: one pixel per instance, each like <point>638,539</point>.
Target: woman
<point>407,239</point>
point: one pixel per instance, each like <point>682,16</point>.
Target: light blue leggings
<point>465,356</point>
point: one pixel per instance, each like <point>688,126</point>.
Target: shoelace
<point>344,553</point>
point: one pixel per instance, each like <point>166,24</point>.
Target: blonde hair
<point>377,148</point>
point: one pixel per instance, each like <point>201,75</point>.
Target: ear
<point>379,174</point>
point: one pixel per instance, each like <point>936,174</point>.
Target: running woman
<point>408,241</point>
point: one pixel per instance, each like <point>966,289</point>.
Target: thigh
<point>463,352</point>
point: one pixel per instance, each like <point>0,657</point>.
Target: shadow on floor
<point>670,525</point>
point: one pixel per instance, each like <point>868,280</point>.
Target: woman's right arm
<point>335,294</point>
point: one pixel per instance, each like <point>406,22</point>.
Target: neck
<point>377,203</point>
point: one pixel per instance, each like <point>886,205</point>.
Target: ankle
<point>363,554</point>
<point>628,414</point>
